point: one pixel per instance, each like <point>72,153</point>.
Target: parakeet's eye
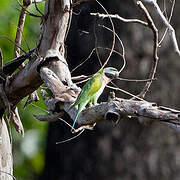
<point>109,75</point>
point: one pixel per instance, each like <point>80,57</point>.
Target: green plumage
<point>93,89</point>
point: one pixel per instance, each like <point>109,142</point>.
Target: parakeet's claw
<point>89,105</point>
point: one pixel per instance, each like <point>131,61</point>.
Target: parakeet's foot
<point>89,127</point>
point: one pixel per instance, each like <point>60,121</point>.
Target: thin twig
<point>96,43</point>
<point>1,58</point>
<point>125,92</point>
<point>74,137</point>
<point>124,61</point>
<point>86,78</point>
<point>135,80</point>
<point>114,36</point>
<point>30,14</point>
<point>116,16</point>
<point>84,60</point>
<point>25,9</point>
<point>77,78</point>
<point>19,31</point>
<point>38,8</point>
<point>152,26</point>
<point>26,43</point>
<point>6,37</point>
<point>122,45</point>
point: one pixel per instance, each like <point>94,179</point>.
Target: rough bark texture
<point>50,53</point>
<point>114,110</point>
<point>51,45</point>
<point>6,159</point>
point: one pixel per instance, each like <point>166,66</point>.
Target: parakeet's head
<point>111,72</point>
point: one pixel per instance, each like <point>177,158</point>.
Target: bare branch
<point>20,27</point>
<point>116,16</point>
<point>152,26</point>
<point>1,58</point>
<point>122,108</point>
<point>114,36</point>
<point>117,109</point>
<point>166,23</point>
<point>15,118</point>
<point>169,19</point>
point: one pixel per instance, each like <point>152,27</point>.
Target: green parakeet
<point>93,89</point>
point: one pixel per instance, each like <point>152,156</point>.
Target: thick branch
<point>121,108</point>
<point>171,30</point>
<point>118,109</point>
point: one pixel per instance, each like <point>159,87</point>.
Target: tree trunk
<point>6,159</point>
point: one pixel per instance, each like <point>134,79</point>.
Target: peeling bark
<point>6,161</point>
<point>51,44</point>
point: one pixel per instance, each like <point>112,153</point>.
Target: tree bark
<point>6,159</point>
<point>49,53</point>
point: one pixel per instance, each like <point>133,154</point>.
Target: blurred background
<point>127,150</point>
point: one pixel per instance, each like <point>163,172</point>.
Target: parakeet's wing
<point>89,89</point>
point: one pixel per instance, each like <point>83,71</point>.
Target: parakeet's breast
<point>101,89</point>
<point>96,85</point>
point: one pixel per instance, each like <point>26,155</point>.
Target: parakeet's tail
<point>75,119</point>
